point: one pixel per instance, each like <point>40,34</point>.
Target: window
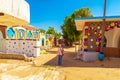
<point>10,33</point>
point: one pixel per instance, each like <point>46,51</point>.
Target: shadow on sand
<point>70,61</point>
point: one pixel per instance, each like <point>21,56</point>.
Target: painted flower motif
<point>97,49</point>
<point>97,43</point>
<point>85,36</point>
<point>86,23</point>
<point>85,50</point>
<point>112,24</point>
<point>23,42</point>
<point>85,42</point>
<point>100,31</point>
<point>91,40</point>
<point>91,46</point>
<point>98,27</point>
<point>116,23</point>
<point>85,47</point>
<point>14,42</point>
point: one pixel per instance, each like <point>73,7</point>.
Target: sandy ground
<point>45,68</point>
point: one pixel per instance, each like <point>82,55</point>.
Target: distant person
<point>81,51</point>
<point>60,54</point>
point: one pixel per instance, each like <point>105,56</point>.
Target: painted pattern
<point>92,34</point>
<point>23,47</point>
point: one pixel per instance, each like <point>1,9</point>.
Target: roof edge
<point>100,17</point>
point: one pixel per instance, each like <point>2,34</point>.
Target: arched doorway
<point>43,42</point>
<point>112,48</point>
<point>112,37</point>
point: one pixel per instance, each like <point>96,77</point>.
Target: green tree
<point>42,30</point>
<point>58,35</point>
<point>51,30</point>
<point>69,28</point>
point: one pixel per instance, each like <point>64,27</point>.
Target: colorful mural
<point>20,41</point>
<point>92,34</point>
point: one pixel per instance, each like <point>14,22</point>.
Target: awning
<point>8,20</point>
<point>80,22</point>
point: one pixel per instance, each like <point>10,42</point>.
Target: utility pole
<point>103,30</point>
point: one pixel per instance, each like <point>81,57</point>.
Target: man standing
<point>60,54</point>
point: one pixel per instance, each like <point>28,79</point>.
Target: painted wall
<point>92,35</point>
<point>42,36</point>
<point>17,45</point>
<point>2,45</point>
<point>27,47</point>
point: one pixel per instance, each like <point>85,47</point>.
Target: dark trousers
<point>59,59</point>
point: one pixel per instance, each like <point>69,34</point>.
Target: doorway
<point>43,42</point>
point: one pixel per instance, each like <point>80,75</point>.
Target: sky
<point>45,13</point>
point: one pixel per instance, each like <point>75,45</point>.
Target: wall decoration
<point>91,46</point>
<point>97,49</point>
<point>85,42</point>
<point>86,23</point>
<point>89,34</point>
<point>85,50</point>
<point>98,27</point>
<point>85,47</point>
<point>25,47</point>
<point>21,33</point>
<point>29,34</point>
<point>14,42</point>
<point>85,37</point>
<point>10,33</point>
<point>35,34</point>
<point>95,32</point>
<point>91,39</point>
<point>46,36</point>
<point>118,24</point>
<point>97,43</point>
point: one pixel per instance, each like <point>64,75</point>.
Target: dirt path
<point>109,69</point>
<point>70,61</point>
<point>45,68</point>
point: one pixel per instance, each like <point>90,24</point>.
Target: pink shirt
<point>60,51</point>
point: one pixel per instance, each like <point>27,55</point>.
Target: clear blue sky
<point>45,13</point>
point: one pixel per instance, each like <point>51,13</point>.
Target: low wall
<point>112,52</point>
<point>90,56</point>
<point>12,56</point>
<point>27,47</point>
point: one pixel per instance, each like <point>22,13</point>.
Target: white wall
<point>16,8</point>
<point>26,47</point>
<point>113,38</point>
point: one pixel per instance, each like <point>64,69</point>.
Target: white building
<point>15,13</point>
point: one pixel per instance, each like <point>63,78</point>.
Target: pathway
<point>45,68</point>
